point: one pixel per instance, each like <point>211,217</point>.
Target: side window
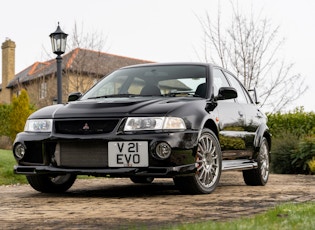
<point>242,97</point>
<point>219,81</point>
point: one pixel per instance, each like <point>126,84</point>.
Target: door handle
<point>240,113</point>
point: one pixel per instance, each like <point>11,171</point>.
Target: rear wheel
<point>51,184</point>
<point>209,164</point>
<point>260,175</point>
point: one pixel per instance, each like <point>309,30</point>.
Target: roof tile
<point>77,60</point>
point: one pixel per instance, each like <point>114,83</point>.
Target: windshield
<point>169,80</point>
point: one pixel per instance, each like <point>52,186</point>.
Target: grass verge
<point>7,175</point>
<point>284,217</point>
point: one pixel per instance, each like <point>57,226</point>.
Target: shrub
<point>5,111</point>
<point>304,154</point>
<point>282,149</point>
<point>292,141</point>
<point>298,122</point>
<point>293,156</point>
<point>20,111</point>
<point>311,165</point>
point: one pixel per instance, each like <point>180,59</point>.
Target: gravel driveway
<point>105,203</point>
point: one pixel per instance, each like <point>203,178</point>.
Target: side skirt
<point>240,164</point>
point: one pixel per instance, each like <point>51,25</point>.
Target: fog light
<point>163,150</point>
<point>19,151</point>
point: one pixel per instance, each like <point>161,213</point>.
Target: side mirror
<point>226,93</point>
<point>74,96</point>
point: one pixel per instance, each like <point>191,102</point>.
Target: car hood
<point>118,107</point>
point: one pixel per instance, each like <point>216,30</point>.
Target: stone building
<point>81,68</point>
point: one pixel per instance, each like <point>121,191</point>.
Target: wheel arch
<point>261,133</point>
<point>267,135</point>
<point>210,124</point>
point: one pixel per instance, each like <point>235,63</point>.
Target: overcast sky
<point>161,30</point>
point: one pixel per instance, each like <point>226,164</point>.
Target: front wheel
<point>51,184</point>
<point>209,165</point>
<point>260,175</point>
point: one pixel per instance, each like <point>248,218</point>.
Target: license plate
<point>128,154</point>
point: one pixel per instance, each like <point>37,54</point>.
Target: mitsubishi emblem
<point>86,127</point>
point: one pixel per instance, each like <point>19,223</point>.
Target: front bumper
<point>88,154</point>
<point>115,172</point>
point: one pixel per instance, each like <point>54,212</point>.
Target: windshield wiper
<point>113,95</point>
<point>179,93</point>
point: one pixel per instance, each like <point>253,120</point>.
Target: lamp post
<point>58,43</point>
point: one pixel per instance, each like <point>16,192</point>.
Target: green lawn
<point>6,169</point>
<point>284,217</point>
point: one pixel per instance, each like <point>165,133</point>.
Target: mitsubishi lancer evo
<point>185,121</point>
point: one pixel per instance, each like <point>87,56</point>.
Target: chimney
<point>8,69</point>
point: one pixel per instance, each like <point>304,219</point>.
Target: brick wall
<point>8,69</point>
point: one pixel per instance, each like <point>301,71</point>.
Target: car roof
<point>168,64</point>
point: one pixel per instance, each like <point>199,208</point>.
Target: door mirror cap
<point>74,96</point>
<point>226,93</point>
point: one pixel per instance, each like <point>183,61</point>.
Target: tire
<point>208,172</point>
<point>260,175</point>
<point>141,180</point>
<point>51,184</point>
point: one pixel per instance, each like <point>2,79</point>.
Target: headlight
<point>154,123</point>
<point>39,125</point>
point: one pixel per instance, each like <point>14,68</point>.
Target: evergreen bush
<point>298,123</point>
<point>303,155</point>
<point>292,141</point>
<point>5,111</point>
<point>311,165</point>
<point>20,111</point>
<point>282,149</point>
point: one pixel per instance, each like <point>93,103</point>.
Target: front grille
<point>83,154</point>
<point>85,126</point>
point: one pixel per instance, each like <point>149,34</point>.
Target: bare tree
<point>81,39</point>
<point>250,48</point>
<point>81,80</point>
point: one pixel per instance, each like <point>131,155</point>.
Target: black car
<point>186,121</point>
